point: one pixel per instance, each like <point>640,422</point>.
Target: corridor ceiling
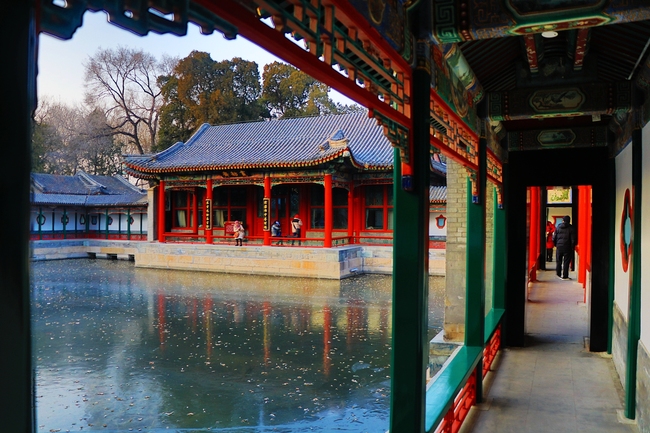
<point>574,86</point>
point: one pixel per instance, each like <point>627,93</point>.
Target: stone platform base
<point>328,263</point>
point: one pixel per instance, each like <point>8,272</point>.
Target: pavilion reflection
<point>282,314</point>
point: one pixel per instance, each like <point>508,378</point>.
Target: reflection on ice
<point>125,349</point>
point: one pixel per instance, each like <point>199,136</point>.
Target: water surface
<point>122,349</point>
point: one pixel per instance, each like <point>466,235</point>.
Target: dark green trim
<point>492,320</point>
<point>634,312</point>
<point>475,271</point>
<point>18,89</point>
<point>128,224</point>
<point>441,394</point>
<point>411,273</point>
<point>106,223</point>
<point>475,264</point>
<point>611,172</point>
<point>64,221</point>
<point>499,252</point>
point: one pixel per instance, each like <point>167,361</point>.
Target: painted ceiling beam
<point>457,21</point>
<point>567,101</point>
<point>557,138</point>
<point>531,54</point>
<point>581,46</point>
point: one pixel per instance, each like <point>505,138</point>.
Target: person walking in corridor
<point>565,242</point>
<point>550,229</point>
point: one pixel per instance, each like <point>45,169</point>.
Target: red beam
<point>250,27</point>
<point>355,19</point>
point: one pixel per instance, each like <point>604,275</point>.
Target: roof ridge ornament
<point>338,140</point>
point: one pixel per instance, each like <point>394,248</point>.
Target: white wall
<point>645,239</point>
<point>623,182</point>
<point>433,226</point>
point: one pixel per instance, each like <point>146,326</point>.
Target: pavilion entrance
<point>285,203</point>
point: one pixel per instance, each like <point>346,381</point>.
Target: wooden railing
<point>284,241</point>
<point>450,397</point>
<point>89,235</point>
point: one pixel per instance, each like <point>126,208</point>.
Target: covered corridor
<point>516,94</point>
<point>553,383</point>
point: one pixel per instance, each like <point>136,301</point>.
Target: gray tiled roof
<point>83,189</point>
<point>438,194</point>
<point>297,142</point>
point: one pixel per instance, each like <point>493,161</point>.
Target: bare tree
<point>68,139</point>
<point>122,83</point>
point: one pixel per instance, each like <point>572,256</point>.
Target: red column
<point>358,215</point>
<point>195,212</point>
<point>536,227</point>
<point>582,233</point>
<point>161,211</point>
<point>533,234</point>
<point>351,213</point>
<point>207,223</point>
<point>267,196</point>
<point>588,229</point>
<point>327,242</point>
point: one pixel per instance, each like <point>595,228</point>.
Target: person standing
<point>276,231</point>
<point>550,229</point>
<point>565,242</point>
<point>296,228</point>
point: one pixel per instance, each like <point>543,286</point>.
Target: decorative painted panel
<point>557,138</point>
<point>588,99</point>
<point>451,135</point>
<point>494,169</point>
<point>451,89</point>
<point>389,18</point>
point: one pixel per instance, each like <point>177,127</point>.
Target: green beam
<point>410,274</point>
<point>612,255</point>
<point>475,264</point>
<point>499,252</point>
<point>634,312</point>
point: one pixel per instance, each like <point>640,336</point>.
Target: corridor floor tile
<point>553,384</point>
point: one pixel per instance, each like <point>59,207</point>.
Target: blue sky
<point>60,63</point>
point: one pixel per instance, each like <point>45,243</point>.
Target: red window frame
<point>228,206</point>
<point>187,207</point>
<point>321,205</point>
<point>386,206</point>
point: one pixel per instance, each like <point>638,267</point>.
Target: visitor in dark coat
<point>565,242</point>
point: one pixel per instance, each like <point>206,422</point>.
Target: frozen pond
<point>120,349</point>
